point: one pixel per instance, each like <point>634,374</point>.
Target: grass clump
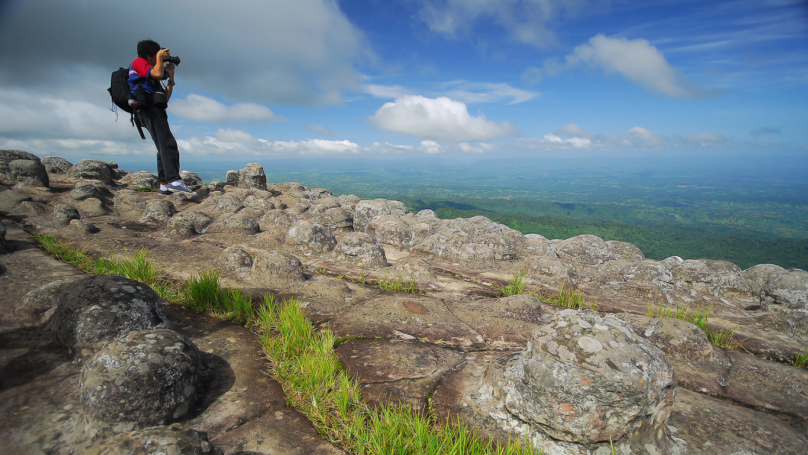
<point>699,317</point>
<point>399,284</point>
<point>303,360</point>
<point>203,292</point>
<point>566,296</point>
<point>802,359</point>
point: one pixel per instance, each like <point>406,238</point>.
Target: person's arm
<point>170,85</point>
<point>157,71</point>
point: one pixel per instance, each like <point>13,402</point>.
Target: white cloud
<point>573,137</point>
<point>301,52</point>
<point>440,119</point>
<point>198,107</point>
<point>430,147</point>
<point>234,142</point>
<point>636,60</point>
<point>468,92</point>
<point>480,147</point>
<point>27,114</point>
<point>489,93</point>
<point>525,21</point>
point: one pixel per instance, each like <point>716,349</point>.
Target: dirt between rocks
<point>439,350</point>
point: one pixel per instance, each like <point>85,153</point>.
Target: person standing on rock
<point>145,76</point>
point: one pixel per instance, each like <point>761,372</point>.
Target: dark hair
<point>147,47</point>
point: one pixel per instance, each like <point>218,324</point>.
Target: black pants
<point>168,155</point>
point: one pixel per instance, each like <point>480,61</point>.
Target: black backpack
<point>121,96</point>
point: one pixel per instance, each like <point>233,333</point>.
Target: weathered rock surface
<point>29,172</point>
<point>167,440</point>
<point>100,308</point>
<point>252,176</point>
<point>143,379</point>
<point>458,345</point>
<point>7,156</point>
<point>103,171</point>
<point>56,164</point>
<point>141,180</point>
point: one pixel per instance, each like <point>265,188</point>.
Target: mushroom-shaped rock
<point>56,164</point>
<point>101,308</point>
<point>277,270</point>
<point>243,222</point>
<point>63,213</point>
<point>142,379</point>
<point>173,439</point>
<point>234,260</point>
<point>361,250</point>
<point>787,291</point>
<point>29,172</point>
<point>310,237</point>
<point>94,170</point>
<point>252,176</point>
<point>390,230</point>
<point>588,378</point>
<point>187,224</point>
<point>158,210</point>
<point>585,249</point>
<point>141,180</point>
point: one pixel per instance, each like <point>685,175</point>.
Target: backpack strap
<point>136,122</point>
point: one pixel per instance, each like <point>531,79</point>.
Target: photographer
<point>145,76</point>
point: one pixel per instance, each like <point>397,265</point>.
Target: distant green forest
<point>747,210</point>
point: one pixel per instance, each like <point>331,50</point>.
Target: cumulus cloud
<point>636,60</point>
<point>234,142</point>
<point>525,21</point>
<point>439,119</point>
<point>198,107</point>
<point>302,52</point>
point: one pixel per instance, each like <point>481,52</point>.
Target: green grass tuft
<point>399,285</point>
<point>723,338</point>
<point>517,285</point>
<point>802,359</point>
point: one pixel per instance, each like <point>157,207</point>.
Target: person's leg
<point>168,152</point>
<point>148,118</point>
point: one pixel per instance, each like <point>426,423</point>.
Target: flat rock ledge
<point>567,381</point>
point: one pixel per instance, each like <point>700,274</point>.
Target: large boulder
<point>56,164</point>
<point>96,309</point>
<point>187,224</point>
<point>308,238</point>
<point>64,213</point>
<point>365,211</point>
<point>192,181</point>
<point>361,250</point>
<point>277,270</point>
<point>234,261</point>
<point>92,207</point>
<point>252,176</point>
<point>142,379</point>
<point>29,172</point>
<point>625,251</point>
<point>786,292</point>
<point>390,230</point>
<point>172,439</point>
<point>537,245</point>
<point>158,211</point>
<point>709,277</point>
<point>587,378</point>
<point>141,181</point>
<point>7,156</point>
<point>104,171</point>
<point>10,199</point>
<point>587,250</point>
<point>244,222</point>
<point>759,275</point>
<point>90,189</point>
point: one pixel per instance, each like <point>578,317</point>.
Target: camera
<point>172,59</point>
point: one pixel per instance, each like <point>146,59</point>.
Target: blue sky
<point>469,78</point>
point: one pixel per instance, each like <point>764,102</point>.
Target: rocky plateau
<point>100,364</point>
